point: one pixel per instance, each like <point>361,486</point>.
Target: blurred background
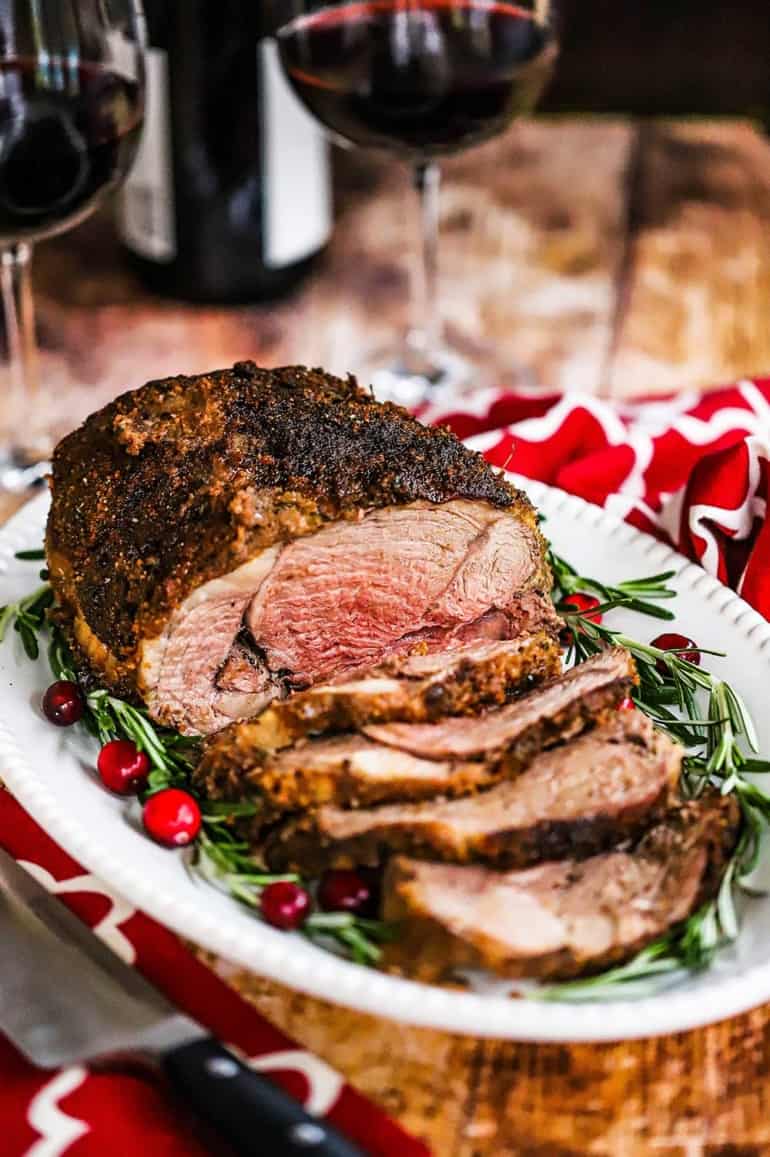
<point>618,242</point>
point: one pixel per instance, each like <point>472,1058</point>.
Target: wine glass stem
<point>19,311</point>
<point>425,337</point>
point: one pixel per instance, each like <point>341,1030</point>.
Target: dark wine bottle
<point>229,199</point>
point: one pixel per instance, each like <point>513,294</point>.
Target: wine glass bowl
<point>67,135</point>
<point>422,79</point>
<point>71,110</point>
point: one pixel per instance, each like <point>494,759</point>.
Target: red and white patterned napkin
<point>693,471</point>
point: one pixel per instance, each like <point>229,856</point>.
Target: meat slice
<point>354,770</point>
<point>415,688</point>
<point>560,919</point>
<point>286,503</point>
<point>351,771</point>
<point>563,705</point>
<point>571,801</point>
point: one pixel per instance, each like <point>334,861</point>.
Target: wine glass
<point>423,79</point>
<point>71,109</point>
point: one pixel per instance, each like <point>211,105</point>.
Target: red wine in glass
<point>67,134</point>
<point>424,79</point>
<point>421,78</point>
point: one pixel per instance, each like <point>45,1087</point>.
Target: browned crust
<point>470,685</point>
<point>705,829</point>
<point>303,844</point>
<point>185,479</point>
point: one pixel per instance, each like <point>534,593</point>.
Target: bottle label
<point>146,205</point>
<point>297,193</point>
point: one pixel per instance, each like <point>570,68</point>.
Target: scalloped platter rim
<point>50,773</point>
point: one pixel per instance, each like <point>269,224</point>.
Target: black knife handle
<point>253,1115</point>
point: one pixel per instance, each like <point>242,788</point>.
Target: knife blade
<point>66,997</point>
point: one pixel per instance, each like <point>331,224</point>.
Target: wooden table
<point>611,258</point>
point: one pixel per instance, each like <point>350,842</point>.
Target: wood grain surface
<point>610,259</point>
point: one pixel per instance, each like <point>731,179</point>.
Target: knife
<point>65,998</point>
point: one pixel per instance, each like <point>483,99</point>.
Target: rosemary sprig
<point>361,936</point>
<point>641,595</point>
<point>666,680</point>
<point>171,755</point>
<point>225,860</point>
<point>690,948</point>
<point>28,618</point>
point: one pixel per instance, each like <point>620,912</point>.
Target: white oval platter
<point>51,774</point>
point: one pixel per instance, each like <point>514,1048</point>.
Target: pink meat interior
<point>342,600</point>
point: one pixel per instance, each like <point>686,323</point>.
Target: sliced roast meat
<point>573,800</point>
<point>564,705</point>
<point>414,688</point>
<point>353,592</point>
<point>354,770</point>
<point>559,919</point>
<point>351,771</point>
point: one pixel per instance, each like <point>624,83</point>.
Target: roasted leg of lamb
<point>358,607</point>
<point>219,541</point>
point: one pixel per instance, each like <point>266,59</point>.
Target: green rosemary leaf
<point>6,617</point>
<point>639,977</point>
<point>656,582</point>
<point>741,719</point>
<point>59,658</point>
<point>643,607</point>
<point>35,605</point>
<point>218,811</point>
<point>30,555</point>
<point>756,766</point>
<point>359,935</point>
<point>229,865</point>
<point>28,637</point>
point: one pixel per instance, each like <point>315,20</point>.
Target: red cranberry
<point>673,642</point>
<point>626,704</point>
<point>172,817</point>
<point>285,905</point>
<point>123,767</point>
<point>583,604</point>
<point>63,703</point>
<point>345,891</point>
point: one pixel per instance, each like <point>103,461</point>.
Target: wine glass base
<point>410,381</point>
<point>21,473</point>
